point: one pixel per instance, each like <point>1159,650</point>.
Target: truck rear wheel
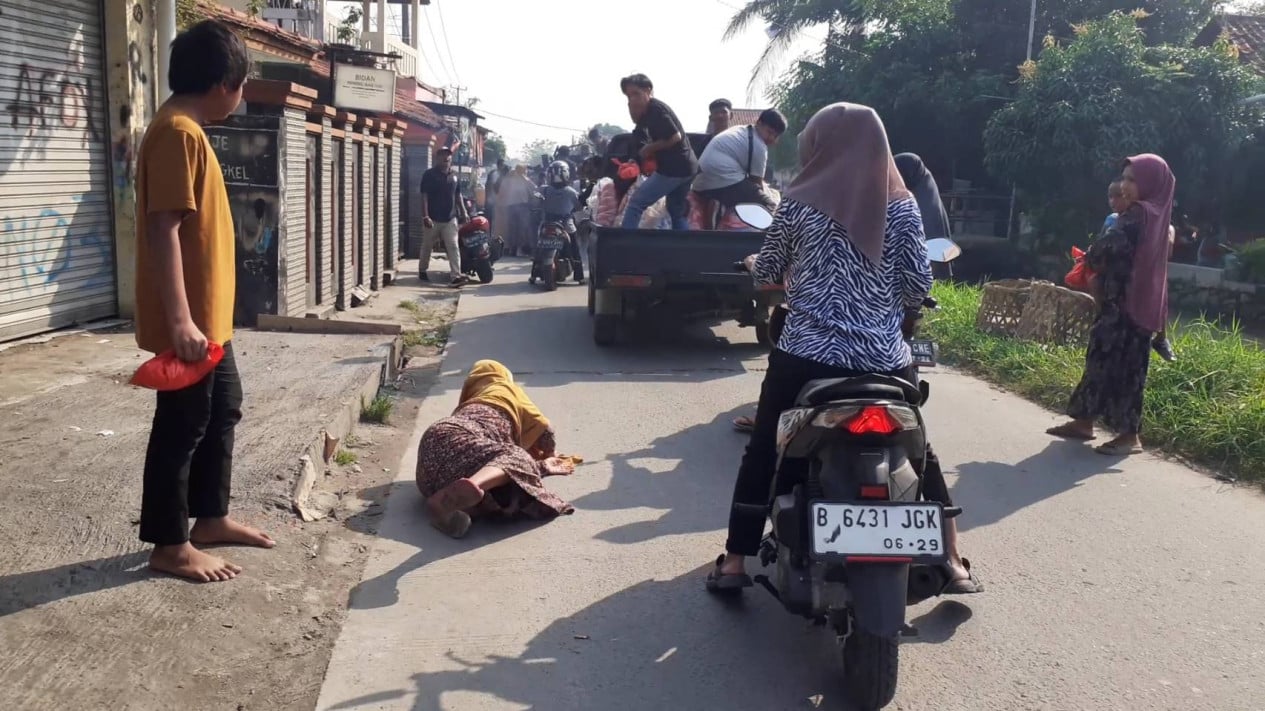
<point>605,329</point>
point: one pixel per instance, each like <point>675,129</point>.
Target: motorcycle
<point>479,249</point>
<point>550,261</point>
<point>853,540</point>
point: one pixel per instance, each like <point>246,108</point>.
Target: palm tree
<point>786,20</point>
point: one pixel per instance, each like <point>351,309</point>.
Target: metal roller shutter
<point>56,243</point>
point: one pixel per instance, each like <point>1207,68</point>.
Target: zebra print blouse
<point>845,312</point>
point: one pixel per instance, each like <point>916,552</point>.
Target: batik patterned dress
<point>478,436</point>
<point>1119,353</point>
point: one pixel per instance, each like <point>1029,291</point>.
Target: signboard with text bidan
<point>246,147</point>
<point>360,88</point>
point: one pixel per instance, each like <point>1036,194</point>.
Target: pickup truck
<point>687,273</point>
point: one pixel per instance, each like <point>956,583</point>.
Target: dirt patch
<point>82,622</point>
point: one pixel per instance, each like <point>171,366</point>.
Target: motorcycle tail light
<point>873,419</point>
<point>876,492</point>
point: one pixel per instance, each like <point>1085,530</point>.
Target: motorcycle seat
<point>886,387</point>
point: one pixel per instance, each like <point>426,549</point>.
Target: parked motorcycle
<point>550,262</point>
<point>853,540</point>
<point>479,248</point>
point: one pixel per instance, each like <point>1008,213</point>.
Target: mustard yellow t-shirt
<point>177,171</point>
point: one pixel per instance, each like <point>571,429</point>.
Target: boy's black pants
<point>189,462</point>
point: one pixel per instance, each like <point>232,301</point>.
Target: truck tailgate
<point>673,257</point>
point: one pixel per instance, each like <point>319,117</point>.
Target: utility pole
<point>458,89</point>
<point>1032,28</point>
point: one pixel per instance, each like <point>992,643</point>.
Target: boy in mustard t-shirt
<point>185,284</point>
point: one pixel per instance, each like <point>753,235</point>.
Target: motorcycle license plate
<point>476,240</point>
<point>549,243</point>
<point>879,529</point>
<point>925,352</point>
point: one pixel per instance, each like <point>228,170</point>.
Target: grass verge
<point>378,411</point>
<point>1209,406</point>
<point>434,338</point>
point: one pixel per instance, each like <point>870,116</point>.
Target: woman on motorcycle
<point>848,239</point>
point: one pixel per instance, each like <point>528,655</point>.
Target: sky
<point>558,62</point>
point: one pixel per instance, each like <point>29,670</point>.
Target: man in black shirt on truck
<point>667,146</point>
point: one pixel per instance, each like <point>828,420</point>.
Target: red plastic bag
<point>1081,275</point>
<point>166,372</point>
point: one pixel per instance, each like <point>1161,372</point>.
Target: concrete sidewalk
<point>82,622</point>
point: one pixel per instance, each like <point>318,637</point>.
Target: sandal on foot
<point>719,583</point>
<point>1067,431</point>
<point>1118,449</point>
<point>969,585</point>
<point>446,508</point>
<point>743,424</point>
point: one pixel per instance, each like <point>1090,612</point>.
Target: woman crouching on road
<point>846,225</point>
<point>489,456</point>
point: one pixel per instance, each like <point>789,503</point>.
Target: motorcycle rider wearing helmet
<point>559,201</point>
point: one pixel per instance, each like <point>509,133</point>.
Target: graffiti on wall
<point>246,147</point>
<point>50,99</point>
<point>25,240</point>
<point>124,158</point>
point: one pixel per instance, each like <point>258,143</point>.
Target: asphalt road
<point>1111,584</point>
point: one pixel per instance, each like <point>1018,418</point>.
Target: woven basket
<point>1001,306</point>
<point>1057,315</point>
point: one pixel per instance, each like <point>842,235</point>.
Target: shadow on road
<point>610,655</point>
<point>681,491</point>
<point>938,625</point>
<point>23,591</point>
<point>433,546</point>
<point>990,491</point>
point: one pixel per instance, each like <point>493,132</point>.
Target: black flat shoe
<point>719,583</point>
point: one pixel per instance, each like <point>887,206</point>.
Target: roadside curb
<point>321,447</point>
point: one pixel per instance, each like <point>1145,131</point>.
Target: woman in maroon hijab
<point>1132,264</point>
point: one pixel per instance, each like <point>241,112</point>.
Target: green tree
<point>936,70</point>
<point>532,152</point>
<point>607,130</point>
<point>1088,103</point>
<point>494,149</point>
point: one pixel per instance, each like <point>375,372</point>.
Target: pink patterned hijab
<point>1146,301</point>
<point>848,173</point>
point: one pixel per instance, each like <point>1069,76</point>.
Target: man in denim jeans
<point>667,145</point>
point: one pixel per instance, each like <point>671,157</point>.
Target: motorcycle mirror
<point>754,215</point>
<point>943,250</point>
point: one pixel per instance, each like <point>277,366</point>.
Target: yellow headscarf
<point>491,383</point>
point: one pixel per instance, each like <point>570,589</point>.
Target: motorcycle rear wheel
<point>550,277</point>
<point>484,270</point>
<point>870,668</point>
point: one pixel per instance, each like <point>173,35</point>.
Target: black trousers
<point>786,376</point>
<point>189,462</point>
<point>738,193</point>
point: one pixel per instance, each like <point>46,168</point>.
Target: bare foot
<point>556,466</point>
<point>447,508</point>
<point>185,561</point>
<point>212,531</point>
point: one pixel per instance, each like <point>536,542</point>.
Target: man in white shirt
<point>731,170</point>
